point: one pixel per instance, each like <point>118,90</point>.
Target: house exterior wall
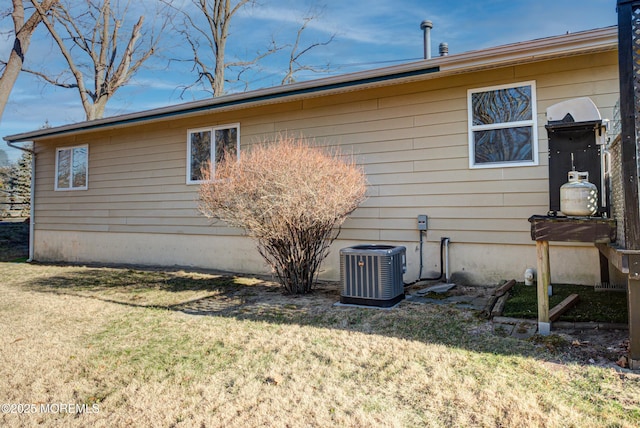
<point>412,141</point>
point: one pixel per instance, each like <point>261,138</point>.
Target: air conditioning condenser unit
<point>372,275</point>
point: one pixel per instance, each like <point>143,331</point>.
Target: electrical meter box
<point>423,222</point>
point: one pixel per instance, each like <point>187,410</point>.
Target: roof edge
<point>529,51</point>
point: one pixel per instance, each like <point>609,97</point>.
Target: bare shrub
<point>291,198</point>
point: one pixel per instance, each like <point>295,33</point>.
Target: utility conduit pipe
<point>442,252</point>
<point>446,258</point>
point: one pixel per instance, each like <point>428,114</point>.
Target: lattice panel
<point>635,34</point>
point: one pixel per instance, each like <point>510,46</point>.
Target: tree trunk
<point>23,32</point>
<point>96,110</point>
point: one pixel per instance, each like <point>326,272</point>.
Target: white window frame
<point>71,186</point>
<point>211,129</point>
<point>533,123</point>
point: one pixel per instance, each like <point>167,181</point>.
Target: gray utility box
<point>372,275</point>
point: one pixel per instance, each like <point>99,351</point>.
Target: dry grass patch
<point>417,365</point>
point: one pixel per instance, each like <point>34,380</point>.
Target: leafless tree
<point>99,58</point>
<point>296,53</point>
<point>208,41</point>
<point>22,32</point>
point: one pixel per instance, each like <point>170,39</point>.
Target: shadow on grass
<point>163,289</point>
<point>14,241</point>
<point>261,300</point>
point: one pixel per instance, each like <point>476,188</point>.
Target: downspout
<point>32,196</point>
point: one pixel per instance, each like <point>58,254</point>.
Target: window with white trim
<point>72,168</point>
<point>206,145</point>
<point>502,126</point>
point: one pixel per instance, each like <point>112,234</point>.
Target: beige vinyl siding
<point>411,140</point>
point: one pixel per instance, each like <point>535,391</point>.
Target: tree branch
<point>53,81</point>
<point>86,104</point>
<point>97,33</point>
<point>23,32</point>
<point>294,57</point>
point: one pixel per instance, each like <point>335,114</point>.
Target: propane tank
<point>578,197</point>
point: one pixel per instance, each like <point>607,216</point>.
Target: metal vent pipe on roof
<point>444,49</point>
<point>426,26</point>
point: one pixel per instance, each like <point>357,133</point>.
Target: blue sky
<point>368,34</point>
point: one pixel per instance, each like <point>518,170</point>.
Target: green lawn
<point>593,306</point>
